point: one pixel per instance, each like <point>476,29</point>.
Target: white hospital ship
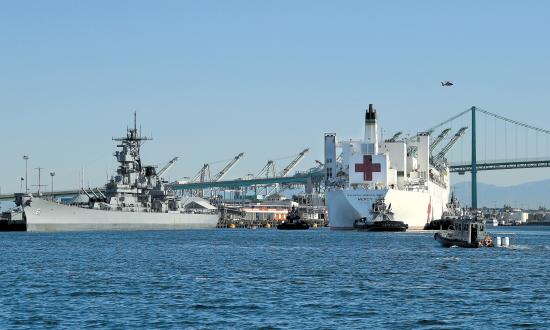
<point>403,171</point>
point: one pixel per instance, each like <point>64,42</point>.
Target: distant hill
<point>526,195</point>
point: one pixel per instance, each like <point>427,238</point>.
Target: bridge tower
<point>474,159</point>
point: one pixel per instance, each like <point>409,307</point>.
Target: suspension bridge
<point>495,143</point>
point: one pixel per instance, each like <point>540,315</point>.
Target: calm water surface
<point>271,279</point>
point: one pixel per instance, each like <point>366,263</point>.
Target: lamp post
<point>52,174</point>
<point>26,158</point>
<point>39,183</point>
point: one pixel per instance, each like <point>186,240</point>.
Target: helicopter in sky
<point>447,83</point>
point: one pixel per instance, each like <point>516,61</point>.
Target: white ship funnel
<point>330,156</point>
<point>371,130</point>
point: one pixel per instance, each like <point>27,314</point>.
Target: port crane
<point>268,169</point>
<point>439,138</point>
<point>294,163</point>
<point>289,168</point>
<point>166,167</point>
<point>228,167</point>
<point>412,150</point>
<point>204,174</point>
<point>440,157</point>
<point>395,137</point>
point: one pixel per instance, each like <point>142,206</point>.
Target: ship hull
<point>43,215</point>
<point>414,208</point>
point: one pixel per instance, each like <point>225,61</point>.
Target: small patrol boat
<point>293,222</point>
<point>382,219</point>
<point>467,232</point>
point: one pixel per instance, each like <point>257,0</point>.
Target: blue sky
<point>210,79</point>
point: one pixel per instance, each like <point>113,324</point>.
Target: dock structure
<point>268,214</point>
<point>300,178</point>
<point>309,178</point>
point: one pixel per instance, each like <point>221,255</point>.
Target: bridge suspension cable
<point>511,121</point>
<point>515,122</point>
<point>448,120</point>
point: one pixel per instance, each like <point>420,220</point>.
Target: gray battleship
<point>135,198</point>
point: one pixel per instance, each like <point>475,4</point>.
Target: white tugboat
<point>452,213</point>
<point>382,220</point>
<point>135,198</point>
<point>402,171</point>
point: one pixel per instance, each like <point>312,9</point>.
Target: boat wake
<point>450,258</point>
<point>517,247</point>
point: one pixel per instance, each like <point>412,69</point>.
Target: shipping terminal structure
<point>403,171</point>
<point>135,198</point>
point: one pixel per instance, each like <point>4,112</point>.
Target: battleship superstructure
<point>135,198</point>
<point>402,171</point>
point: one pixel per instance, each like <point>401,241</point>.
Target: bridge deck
<point>501,165</point>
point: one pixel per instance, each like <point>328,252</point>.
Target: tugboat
<point>453,213</point>
<point>293,222</point>
<point>382,219</point>
<point>467,232</point>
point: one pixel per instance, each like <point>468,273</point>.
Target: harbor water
<point>272,279</point>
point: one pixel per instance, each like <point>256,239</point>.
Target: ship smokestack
<point>371,130</point>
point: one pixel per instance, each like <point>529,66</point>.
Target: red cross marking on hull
<point>367,168</point>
